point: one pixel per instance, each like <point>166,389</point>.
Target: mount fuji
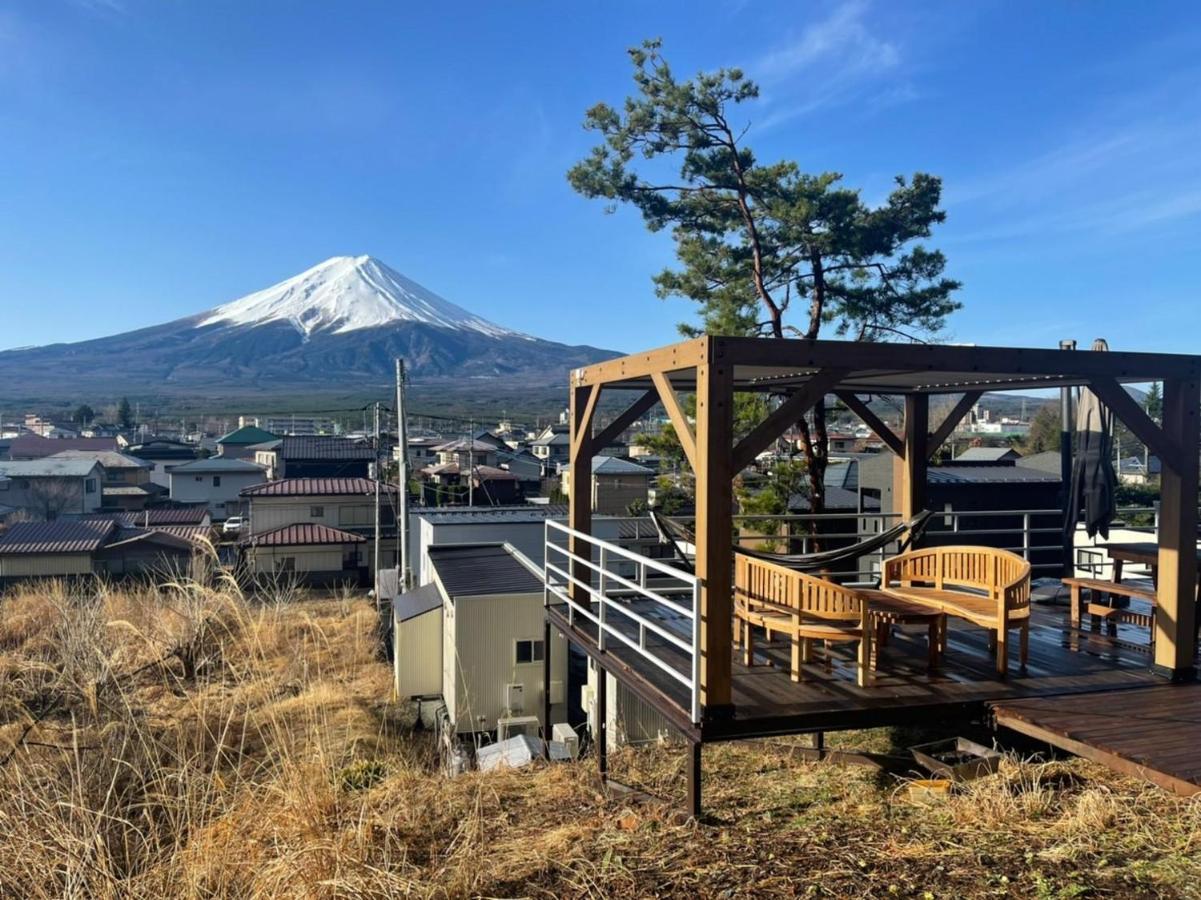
<point>339,325</point>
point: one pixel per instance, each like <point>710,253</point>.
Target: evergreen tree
<point>758,243</point>
<point>83,414</point>
<point>125,413</point>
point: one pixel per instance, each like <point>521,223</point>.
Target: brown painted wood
<point>630,415</point>
<point>1122,405</point>
<point>675,412</point>
<point>1151,733</point>
<point>890,438</point>
<point>954,417</point>
<point>581,431</point>
<point>579,497</point>
<point>909,471</point>
<point>715,530</point>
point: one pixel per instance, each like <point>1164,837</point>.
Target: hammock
<point>684,543</point>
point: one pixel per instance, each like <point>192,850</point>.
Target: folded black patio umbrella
<point>1093,478</point>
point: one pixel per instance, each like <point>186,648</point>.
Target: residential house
<point>464,453</point>
<point>493,640</point>
<point>445,485</point>
<point>553,447</point>
<point>616,484</point>
<point>162,454</point>
<point>33,446</point>
<point>238,443</point>
<point>342,503</point>
<point>101,546</point>
<point>421,452</point>
<point>314,555</point>
<point>127,484</point>
<point>987,456</point>
<point>49,488</point>
<point>316,457</point>
<point>218,482</point>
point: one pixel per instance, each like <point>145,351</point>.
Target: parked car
<point>233,525</point>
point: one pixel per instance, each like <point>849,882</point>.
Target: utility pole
<point>471,462</point>
<point>403,569</point>
<point>376,473</point>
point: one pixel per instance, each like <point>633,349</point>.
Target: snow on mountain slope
<point>349,293</point>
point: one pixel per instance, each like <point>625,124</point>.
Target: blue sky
<point>158,157</point>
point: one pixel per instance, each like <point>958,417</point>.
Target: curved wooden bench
<point>778,599</point>
<point>981,585</point>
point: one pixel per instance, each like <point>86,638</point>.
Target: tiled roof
<point>477,570</point>
<point>1000,474</point>
<point>48,467</point>
<point>110,459</point>
<point>303,534</point>
<point>323,448</point>
<point>33,446</point>
<point>611,465</point>
<point>62,536</point>
<point>315,487</point>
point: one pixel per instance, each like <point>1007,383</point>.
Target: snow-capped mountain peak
<point>349,293</point>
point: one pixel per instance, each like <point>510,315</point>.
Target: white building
<point>217,482</point>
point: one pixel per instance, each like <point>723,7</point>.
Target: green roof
<point>247,434</point>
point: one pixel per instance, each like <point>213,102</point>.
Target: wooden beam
<point>1176,587</point>
<point>715,532</point>
<point>783,416</point>
<point>581,431</point>
<point>679,421</point>
<point>1136,419</point>
<point>872,421</point>
<point>628,417</point>
<point>909,471</point>
<point>683,355</point>
<point>954,417</point>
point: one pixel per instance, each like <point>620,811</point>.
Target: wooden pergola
<point>804,371</point>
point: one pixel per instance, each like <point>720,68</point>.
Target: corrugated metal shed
<point>63,536</point>
<point>479,570</point>
<point>315,487</point>
<point>306,534</point>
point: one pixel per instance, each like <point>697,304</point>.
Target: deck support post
<point>714,527</point>
<point>694,778</point>
<point>909,471</point>
<point>1176,592</point>
<point>602,724</point>
<point>546,671</point>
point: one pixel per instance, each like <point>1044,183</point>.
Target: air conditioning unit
<point>515,698</point>
<point>564,734</point>
<point>517,726</point>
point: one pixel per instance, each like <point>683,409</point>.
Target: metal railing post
<point>604,600</point>
<point>1026,536</point>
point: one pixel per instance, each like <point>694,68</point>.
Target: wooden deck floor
<point>767,701</point>
<point>1152,732</point>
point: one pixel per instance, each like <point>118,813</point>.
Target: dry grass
<point>176,742</point>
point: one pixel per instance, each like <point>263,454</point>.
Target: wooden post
<point>694,779</point>
<point>714,527</point>
<point>1176,592</point>
<point>909,471</point>
<point>579,499</point>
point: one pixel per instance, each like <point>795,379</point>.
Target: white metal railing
<point>618,577</point>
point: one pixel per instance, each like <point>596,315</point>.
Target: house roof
<point>1046,461</point>
<point>416,602</point>
<point>124,490</point>
<point>246,435</point>
<point>218,465</point>
<point>315,487</point>
<point>987,454</point>
<point>476,446</point>
<point>33,446</point>
<point>489,515</point>
<point>322,447</point>
<point>612,465</point>
<point>110,459</point>
<point>61,536</point>
<point>49,467</point>
<point>305,534</point>
<point>989,475</point>
<point>481,570</point>
<point>558,437</point>
<point>482,473</point>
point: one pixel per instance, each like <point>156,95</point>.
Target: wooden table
<point>886,611</point>
<point>1144,553</point>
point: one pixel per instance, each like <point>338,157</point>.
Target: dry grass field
<point>184,742</point>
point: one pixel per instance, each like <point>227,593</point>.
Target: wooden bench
<point>981,585</point>
<point>781,600</point>
<point>1106,612</point>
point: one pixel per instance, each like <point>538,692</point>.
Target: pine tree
<point>125,413</point>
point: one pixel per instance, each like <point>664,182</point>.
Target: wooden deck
<point>767,702</point>
<point>1152,732</point>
